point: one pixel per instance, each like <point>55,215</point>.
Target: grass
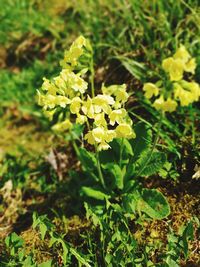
<point>38,170</point>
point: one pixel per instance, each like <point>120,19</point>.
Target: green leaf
<point>116,171</point>
<point>130,201</point>
<point>143,140</point>
<point>29,262</point>
<point>154,163</point>
<point>123,144</point>
<point>43,230</point>
<point>93,193</point>
<point>45,264</point>
<point>135,68</point>
<point>171,262</point>
<point>87,159</point>
<point>79,257</point>
<point>154,204</point>
<point>188,233</point>
<point>14,241</point>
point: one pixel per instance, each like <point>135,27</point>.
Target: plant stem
<point>153,147</point>
<point>193,125</point>
<point>99,168</point>
<point>75,146</point>
<point>92,76</point>
<point>121,151</point>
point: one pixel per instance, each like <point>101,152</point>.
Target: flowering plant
<point>174,90</point>
<point>121,155</point>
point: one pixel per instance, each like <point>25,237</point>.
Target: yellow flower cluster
<point>176,89</point>
<point>104,114</point>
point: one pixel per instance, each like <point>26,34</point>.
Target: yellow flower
<point>49,113</point>
<point>72,55</point>
<point>81,119</point>
<point>170,105</point>
<point>75,105</point>
<point>165,105</point>
<point>103,146</point>
<point>80,42</point>
<point>88,108</point>
<point>62,101</point>
<point>117,116</point>
<point>49,87</point>
<point>102,103</point>
<point>90,138</point>
<point>190,66</point>
<point>150,90</point>
<point>101,137</point>
<point>121,94</point>
<point>187,92</point>
<point>175,67</point>
<point>110,90</point>
<point>182,54</point>
<point>74,81</point>
<point>110,135</point>
<point>119,91</point>
<point>62,126</point>
<point>158,103</point>
<point>59,82</point>
<point>98,134</point>
<point>195,90</point>
<point>99,120</point>
<point>48,101</point>
<point>124,131</point>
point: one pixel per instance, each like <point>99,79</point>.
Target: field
<point>100,133</point>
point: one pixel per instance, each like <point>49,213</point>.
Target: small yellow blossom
<point>99,120</point>
<point>59,82</point>
<point>110,135</point>
<point>62,126</point>
<point>75,105</point>
<point>109,90</point>
<point>117,116</point>
<point>74,81</point>
<point>150,90</point>
<point>88,108</point>
<point>121,94</point>
<point>165,105</point>
<point>103,146</point>
<point>49,87</point>
<point>175,67</point>
<point>124,130</point>
<point>81,119</point>
<point>90,138</point>
<point>100,137</point>
<point>182,54</point>
<point>72,55</point>
<point>195,90</point>
<point>170,105</point>
<point>102,103</point>
<point>190,66</point>
<point>186,92</point>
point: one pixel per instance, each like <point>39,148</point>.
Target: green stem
<point>99,169</point>
<point>121,151</point>
<point>193,126</point>
<point>153,147</point>
<point>92,76</point>
<point>75,146</point>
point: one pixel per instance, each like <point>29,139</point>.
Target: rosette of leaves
<point>123,166</point>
